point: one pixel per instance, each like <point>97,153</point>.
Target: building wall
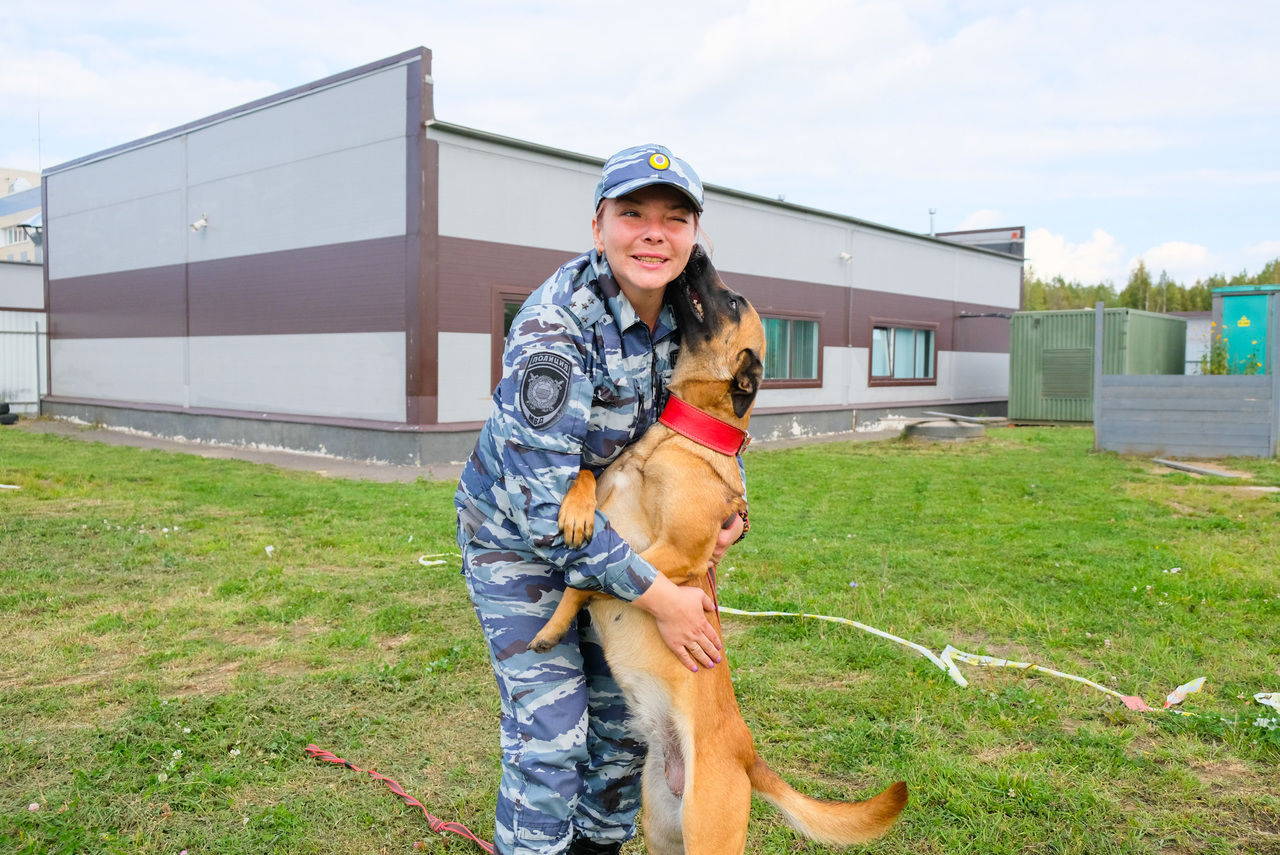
<point>23,330</point>
<point>290,295</point>
<point>346,266</point>
<point>15,244</point>
<point>509,214</point>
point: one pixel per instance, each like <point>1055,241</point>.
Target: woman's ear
<point>595,232</point>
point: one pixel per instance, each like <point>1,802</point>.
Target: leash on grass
<point>946,661</point>
<point>437,824</point>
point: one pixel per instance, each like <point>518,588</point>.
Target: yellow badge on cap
<point>659,161</point>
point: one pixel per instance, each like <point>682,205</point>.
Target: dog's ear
<point>746,381</point>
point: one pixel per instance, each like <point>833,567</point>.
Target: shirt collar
<point>624,314</point>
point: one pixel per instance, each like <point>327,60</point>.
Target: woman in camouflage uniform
<point>584,374</point>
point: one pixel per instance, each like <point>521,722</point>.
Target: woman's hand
<point>681,613</point>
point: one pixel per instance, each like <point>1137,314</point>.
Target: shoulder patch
<point>544,388</point>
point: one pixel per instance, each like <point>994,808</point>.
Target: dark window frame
<point>500,297</point>
<point>791,382</point>
<point>889,323</point>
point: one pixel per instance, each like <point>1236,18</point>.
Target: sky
<point>1113,132</point>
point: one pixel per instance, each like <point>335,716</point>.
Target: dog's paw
<point>577,518</point>
<point>542,643</point>
<point>576,530</point>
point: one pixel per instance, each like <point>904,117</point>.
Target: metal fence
<point>23,349</point>
<point>1189,416</point>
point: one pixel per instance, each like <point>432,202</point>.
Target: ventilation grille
<point>1068,373</point>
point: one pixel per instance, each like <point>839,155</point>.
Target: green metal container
<point>1241,315</point>
<point>1051,358</point>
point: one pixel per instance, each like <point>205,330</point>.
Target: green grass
<point>164,670</point>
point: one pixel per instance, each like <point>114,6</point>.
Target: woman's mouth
<point>653,260</point>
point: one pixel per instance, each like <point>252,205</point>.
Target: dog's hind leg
<point>663,809</point>
<point>717,808</point>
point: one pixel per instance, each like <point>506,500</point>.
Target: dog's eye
<point>733,304</point>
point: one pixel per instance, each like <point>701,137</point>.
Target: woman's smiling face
<point>647,237</point>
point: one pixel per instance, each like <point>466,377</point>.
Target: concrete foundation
<point>410,446</point>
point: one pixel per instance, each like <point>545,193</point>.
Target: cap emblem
<point>659,161</point>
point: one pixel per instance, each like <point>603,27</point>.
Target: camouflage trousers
<point>570,761</point>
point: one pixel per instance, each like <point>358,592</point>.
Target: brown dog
<point>668,496</point>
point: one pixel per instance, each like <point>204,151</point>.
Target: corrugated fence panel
<point>22,360</point>
<point>1186,416</point>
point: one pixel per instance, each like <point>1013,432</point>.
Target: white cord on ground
<point>951,655</point>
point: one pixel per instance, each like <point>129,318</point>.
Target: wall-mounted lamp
<point>844,256</point>
<point>200,224</point>
<point>34,232</point>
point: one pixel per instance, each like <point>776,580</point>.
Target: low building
<point>331,268</point>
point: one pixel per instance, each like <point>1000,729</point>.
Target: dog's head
<point>721,357</point>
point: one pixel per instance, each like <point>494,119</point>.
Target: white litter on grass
<point>1179,694</point>
<point>9,487</point>
<point>437,559</point>
<point>1271,699</point>
<point>270,550</point>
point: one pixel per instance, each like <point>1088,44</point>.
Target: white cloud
<point>1184,262</point>
<point>1098,259</point>
<point>1263,252</point>
<point>983,219</point>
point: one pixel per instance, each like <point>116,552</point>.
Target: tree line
<point>1160,294</point>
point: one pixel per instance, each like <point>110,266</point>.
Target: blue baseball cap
<point>643,165</point>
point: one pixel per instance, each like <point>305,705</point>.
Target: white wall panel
<point>350,115</point>
<point>980,375</point>
<point>355,375</point>
<point>147,370</point>
<point>348,195</point>
<point>147,171</point>
<point>147,231</point>
<point>509,195</point>
<point>464,360</point>
<point>752,238</point>
<point>898,264</point>
<point>987,281</point>
<point>21,286</point>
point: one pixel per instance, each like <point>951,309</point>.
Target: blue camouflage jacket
<point>582,378</point>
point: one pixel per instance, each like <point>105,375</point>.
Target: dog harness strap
<point>703,428</point>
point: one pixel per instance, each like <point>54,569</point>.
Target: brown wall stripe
<point>470,270</point>
<point>337,288</point>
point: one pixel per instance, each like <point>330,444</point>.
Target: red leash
<point>437,824</point>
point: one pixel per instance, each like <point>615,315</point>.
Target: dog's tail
<point>832,823</point>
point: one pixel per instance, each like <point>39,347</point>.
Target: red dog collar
<point>703,428</point>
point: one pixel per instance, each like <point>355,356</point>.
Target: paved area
<point>334,467</point>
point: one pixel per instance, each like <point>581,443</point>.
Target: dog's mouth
<point>695,304</point>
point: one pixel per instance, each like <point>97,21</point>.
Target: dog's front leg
<point>577,518</point>
<point>555,628</point>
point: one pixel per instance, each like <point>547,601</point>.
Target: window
<point>902,354</point>
<point>791,349</point>
<point>505,302</point>
<point>510,308</point>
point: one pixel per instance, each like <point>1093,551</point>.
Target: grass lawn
<point>179,629</point>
